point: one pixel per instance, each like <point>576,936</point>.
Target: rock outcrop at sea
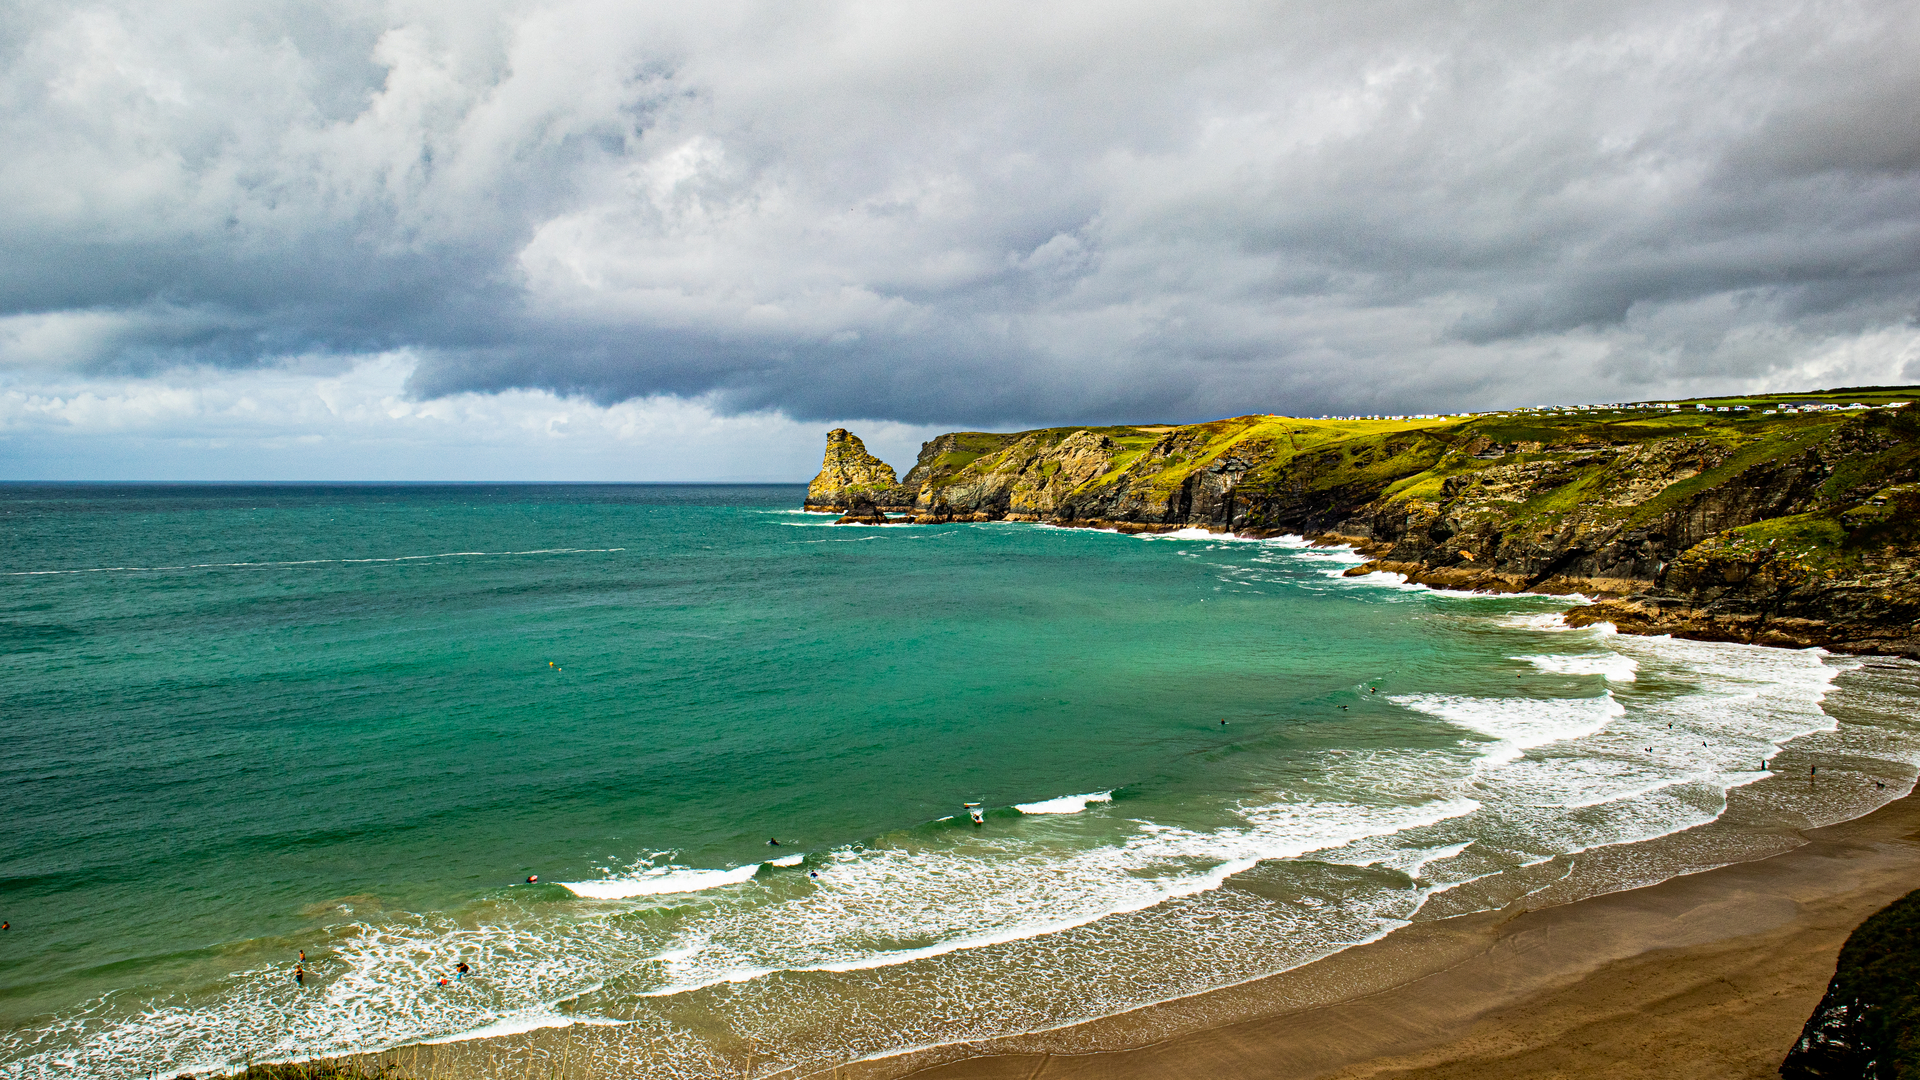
<point>1789,528</point>
<point>855,483</point>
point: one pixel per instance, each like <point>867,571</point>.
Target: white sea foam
<point>1545,621</point>
<point>787,860</point>
<point>1429,856</point>
<point>520,1023</point>
<point>1065,804</point>
<point>1518,724</point>
<point>968,899</point>
<point>662,881</point>
<point>1613,666</point>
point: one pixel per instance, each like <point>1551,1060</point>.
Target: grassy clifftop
<point>1786,519</point>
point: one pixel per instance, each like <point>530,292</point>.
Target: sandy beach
<point>1706,975</point>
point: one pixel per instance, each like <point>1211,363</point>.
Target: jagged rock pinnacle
<point>850,477</point>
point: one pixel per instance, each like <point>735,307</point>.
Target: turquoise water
<point>247,721</point>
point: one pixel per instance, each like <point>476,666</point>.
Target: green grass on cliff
<point>1412,460</point>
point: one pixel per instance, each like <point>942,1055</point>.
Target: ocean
<point>242,722</point>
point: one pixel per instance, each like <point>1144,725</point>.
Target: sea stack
<point>855,483</point>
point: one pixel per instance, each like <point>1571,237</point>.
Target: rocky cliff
<point>1744,522</point>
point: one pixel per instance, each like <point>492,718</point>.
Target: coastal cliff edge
<point>1790,520</point>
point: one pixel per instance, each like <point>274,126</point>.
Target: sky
<point>421,239</point>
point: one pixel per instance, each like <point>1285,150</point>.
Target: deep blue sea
<point>242,722</point>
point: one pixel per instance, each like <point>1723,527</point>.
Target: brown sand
<point>1708,975</point>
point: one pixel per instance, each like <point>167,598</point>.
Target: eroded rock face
<point>851,478</point>
<point>1026,481</point>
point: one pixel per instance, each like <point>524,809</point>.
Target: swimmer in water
<point>772,842</point>
<point>1223,723</point>
<point>461,971</point>
<point>813,873</point>
<point>300,975</point>
<point>532,878</point>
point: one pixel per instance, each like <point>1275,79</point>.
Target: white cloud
<point>291,424</point>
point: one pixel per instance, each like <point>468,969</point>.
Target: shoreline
<point>1705,974</point>
<point>1708,974</point>
<point>1469,930</point>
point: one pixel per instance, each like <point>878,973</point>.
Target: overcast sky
<point>427,239</point>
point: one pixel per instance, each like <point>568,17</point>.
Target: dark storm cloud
<point>971,213</point>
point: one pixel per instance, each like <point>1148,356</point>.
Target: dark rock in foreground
<point>1867,1027</point>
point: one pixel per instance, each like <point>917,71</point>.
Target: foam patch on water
<point>1065,804</point>
<point>1518,724</point>
<point>1553,622</point>
<point>1611,666</point>
<point>986,893</point>
<point>663,881</point>
<point>520,1024</point>
<point>787,860</point>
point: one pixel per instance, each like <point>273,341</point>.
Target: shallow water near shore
<point>252,721</point>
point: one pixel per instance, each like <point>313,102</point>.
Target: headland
<point>1790,519</point>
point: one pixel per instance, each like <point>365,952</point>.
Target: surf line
<point>312,562</point>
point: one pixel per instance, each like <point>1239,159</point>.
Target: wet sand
<point>1707,975</point>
